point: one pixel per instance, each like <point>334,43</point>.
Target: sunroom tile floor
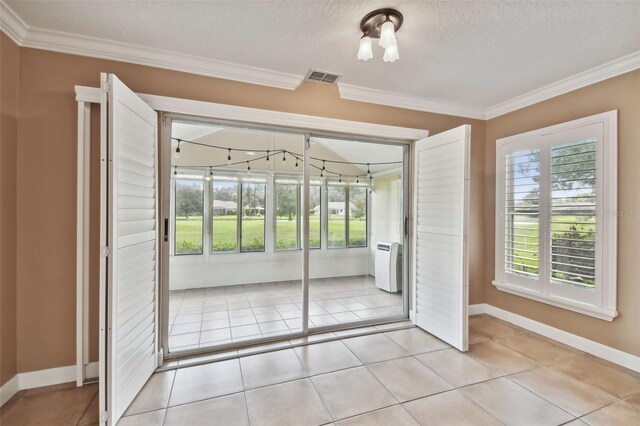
<point>218,315</point>
<point>417,382</point>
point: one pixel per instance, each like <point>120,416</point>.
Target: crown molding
<point>25,36</point>
<point>383,97</point>
<point>591,76</point>
<point>11,24</point>
<point>63,42</point>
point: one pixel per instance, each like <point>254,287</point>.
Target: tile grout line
<point>244,393</point>
<point>539,365</point>
<point>87,408</point>
<point>308,377</point>
<point>166,409</point>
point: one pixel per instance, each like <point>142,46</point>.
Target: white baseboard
<point>51,376</point>
<point>478,309</point>
<point>91,370</point>
<point>599,350</point>
<point>36,379</point>
<point>9,389</point>
<point>412,315</point>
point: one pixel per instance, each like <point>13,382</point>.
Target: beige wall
<point>9,78</point>
<point>38,189</point>
<point>621,93</point>
<point>47,164</point>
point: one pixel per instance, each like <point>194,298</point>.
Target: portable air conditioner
<point>388,266</point>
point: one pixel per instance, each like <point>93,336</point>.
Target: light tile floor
<point>218,315</point>
<point>402,377</point>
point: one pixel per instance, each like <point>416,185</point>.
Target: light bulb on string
<point>284,156</point>
<point>368,170</point>
<point>357,179</point>
<point>229,157</point>
<point>210,172</point>
<point>296,163</point>
<point>340,180</point>
<point>323,169</point>
<point>321,173</point>
<point>267,155</point>
<point>248,168</point>
<point>177,155</point>
<point>175,170</point>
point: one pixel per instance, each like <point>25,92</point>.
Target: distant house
<point>335,208</point>
<point>224,207</point>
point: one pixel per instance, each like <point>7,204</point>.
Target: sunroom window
<point>188,216</point>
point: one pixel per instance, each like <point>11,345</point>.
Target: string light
<point>175,170</point>
<point>340,179</point>
<point>323,170</point>
<point>284,152</point>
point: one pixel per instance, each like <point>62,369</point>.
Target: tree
<point>287,200</point>
<point>573,166</point>
<point>188,199</point>
<point>358,197</point>
<point>252,197</point>
<point>226,193</point>
<point>568,254</point>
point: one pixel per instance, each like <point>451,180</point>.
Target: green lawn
<point>189,234</point>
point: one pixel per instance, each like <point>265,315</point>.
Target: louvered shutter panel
<point>440,248</point>
<point>132,240</point>
<point>573,213</point>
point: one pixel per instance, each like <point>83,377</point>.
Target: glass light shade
<point>387,34</point>
<point>364,52</point>
<point>391,54</point>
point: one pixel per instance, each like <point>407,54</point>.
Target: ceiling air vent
<point>322,77</point>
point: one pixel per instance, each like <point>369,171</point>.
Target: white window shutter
<point>440,235</point>
<point>130,297</point>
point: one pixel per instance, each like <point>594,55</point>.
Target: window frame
<point>366,215</point>
<point>175,214</point>
<point>600,302</point>
<point>264,215</point>
<point>298,213</point>
<point>211,183</point>
<point>328,185</point>
<point>297,219</point>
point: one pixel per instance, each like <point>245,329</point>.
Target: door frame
<point>166,207</point>
<point>316,125</point>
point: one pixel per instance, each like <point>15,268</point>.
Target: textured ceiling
<point>471,53</point>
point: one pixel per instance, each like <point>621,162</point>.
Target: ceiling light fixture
<point>383,25</point>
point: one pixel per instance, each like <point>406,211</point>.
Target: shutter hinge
<point>104,417</point>
<point>105,86</point>
<point>106,251</point>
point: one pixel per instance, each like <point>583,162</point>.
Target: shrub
<point>565,244</point>
<point>188,247</point>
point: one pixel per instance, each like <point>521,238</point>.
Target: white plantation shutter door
<point>132,241</point>
<point>440,247</point>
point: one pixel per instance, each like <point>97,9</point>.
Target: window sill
<point>581,308</point>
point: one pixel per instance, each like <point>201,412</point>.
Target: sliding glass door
<point>235,261</point>
<point>350,283</point>
<point>274,233</point>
